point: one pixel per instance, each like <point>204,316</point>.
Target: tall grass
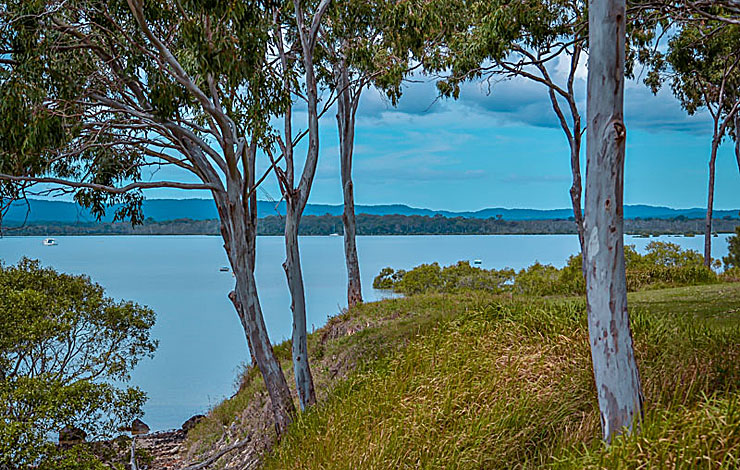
<point>508,384</point>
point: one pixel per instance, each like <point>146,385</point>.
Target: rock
<point>139,427</point>
<point>190,423</point>
<point>70,435</point>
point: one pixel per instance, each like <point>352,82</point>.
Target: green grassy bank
<point>475,380</point>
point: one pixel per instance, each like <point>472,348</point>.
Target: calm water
<point>202,343</point>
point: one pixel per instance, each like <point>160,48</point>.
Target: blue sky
<point>499,145</point>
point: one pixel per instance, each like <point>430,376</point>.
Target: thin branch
<point>109,189</point>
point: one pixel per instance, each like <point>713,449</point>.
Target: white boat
<point>224,269</point>
<point>49,242</point>
<point>477,262</point>
<point>335,234</point>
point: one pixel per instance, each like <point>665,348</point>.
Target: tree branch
<point>109,189</point>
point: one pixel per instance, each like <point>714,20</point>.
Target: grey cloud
<point>522,101</point>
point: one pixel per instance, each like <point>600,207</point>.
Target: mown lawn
<point>470,381</point>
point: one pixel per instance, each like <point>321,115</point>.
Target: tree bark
<point>737,139</point>
<point>272,373</point>
<point>296,197</point>
<point>576,187</point>
<point>710,204</point>
<point>293,272</point>
<point>615,369</point>
<point>238,229</point>
<point>242,317</point>
<point>346,126</point>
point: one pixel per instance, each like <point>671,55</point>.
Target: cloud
<point>519,100</point>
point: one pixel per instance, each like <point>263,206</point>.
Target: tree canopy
<point>65,351</point>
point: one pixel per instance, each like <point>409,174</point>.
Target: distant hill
<point>39,210</point>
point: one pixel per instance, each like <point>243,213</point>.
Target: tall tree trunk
<point>737,139</point>
<point>272,373</point>
<point>242,317</point>
<point>710,204</point>
<point>615,369</point>
<point>238,230</point>
<point>576,188</point>
<point>294,274</point>
<point>346,126</point>
<point>259,342</point>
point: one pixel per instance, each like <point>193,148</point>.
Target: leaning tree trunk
<point>294,274</point>
<point>710,205</point>
<point>272,373</point>
<point>240,245</point>
<point>346,127</point>
<point>615,369</point>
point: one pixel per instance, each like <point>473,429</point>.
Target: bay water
<point>201,342</point>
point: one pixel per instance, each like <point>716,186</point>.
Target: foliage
<point>663,264</point>
<point>63,345</point>
<point>541,279</point>
<point>701,66</point>
<point>498,383</point>
<point>95,92</point>
<point>732,260</point>
<point>431,278</point>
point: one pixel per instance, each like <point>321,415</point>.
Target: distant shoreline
<point>371,225</point>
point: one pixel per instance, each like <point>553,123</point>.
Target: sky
<point>499,145</point>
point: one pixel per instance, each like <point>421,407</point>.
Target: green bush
<point>662,265</point>
<point>428,278</point>
<point>63,346</point>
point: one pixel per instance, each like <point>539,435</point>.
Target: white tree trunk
<point>615,369</point>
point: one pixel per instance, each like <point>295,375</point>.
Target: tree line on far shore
<point>368,224</point>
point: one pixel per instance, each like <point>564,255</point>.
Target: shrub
<point>432,278</point>
<point>538,279</point>
<point>662,265</point>
<point>62,346</point>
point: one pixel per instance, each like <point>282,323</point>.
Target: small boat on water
<point>477,262</point>
<point>224,269</point>
<point>49,242</point>
<point>335,234</point>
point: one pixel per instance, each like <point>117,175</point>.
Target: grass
<point>478,381</point>
<point>506,383</point>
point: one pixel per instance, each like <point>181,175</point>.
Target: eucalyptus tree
<point>294,57</point>
<point>702,64</point>
<point>612,352</point>
<point>682,11</point>
<point>97,95</point>
<point>530,39</point>
<point>367,44</point>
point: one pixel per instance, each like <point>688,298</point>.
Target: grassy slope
<point>477,381</point>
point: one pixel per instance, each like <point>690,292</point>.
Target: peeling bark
<point>615,369</point>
